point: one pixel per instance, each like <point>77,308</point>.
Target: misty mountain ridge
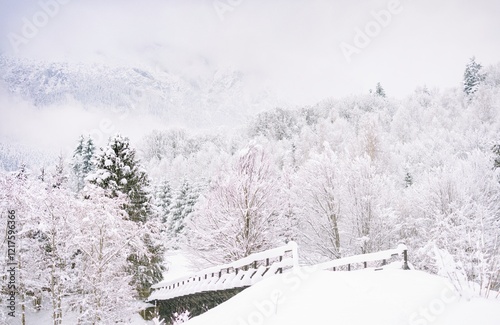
<point>220,99</point>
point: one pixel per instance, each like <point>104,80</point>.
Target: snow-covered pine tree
<point>82,163</point>
<point>379,91</point>
<point>181,208</point>
<point>88,156</point>
<point>119,171</point>
<point>77,162</point>
<point>163,200</point>
<point>472,77</point>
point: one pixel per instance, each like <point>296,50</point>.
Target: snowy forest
<point>346,176</point>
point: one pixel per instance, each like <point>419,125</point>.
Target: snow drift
<point>389,296</point>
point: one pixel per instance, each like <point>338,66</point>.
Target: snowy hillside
<point>388,297</point>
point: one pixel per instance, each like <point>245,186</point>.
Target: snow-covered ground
<point>307,297</point>
<point>177,264</point>
<point>44,317</point>
<point>385,297</point>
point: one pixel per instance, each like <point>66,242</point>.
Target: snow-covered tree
<point>24,198</point>
<point>472,77</point>
<point>171,144</point>
<point>291,215</point>
<point>118,171</point>
<point>82,163</point>
<point>105,238</point>
<point>241,212</point>
<point>379,91</point>
<point>163,200</point>
<point>72,251</point>
<point>60,176</point>
<point>56,233</point>
<point>464,206</point>
<point>319,193</point>
<point>45,243</point>
<point>278,124</point>
<point>370,218</point>
<point>180,210</point>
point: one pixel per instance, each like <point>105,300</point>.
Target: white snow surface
<point>178,266</point>
<point>385,297</point>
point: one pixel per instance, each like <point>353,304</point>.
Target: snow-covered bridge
<point>208,288</point>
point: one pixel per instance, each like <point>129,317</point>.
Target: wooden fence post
<point>405,260</point>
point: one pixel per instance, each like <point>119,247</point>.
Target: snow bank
<point>385,297</point>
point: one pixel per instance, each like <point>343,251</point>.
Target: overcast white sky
<point>291,45</point>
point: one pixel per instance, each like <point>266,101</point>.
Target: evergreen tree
<point>88,156</point>
<point>82,163</point>
<point>182,207</point>
<point>379,91</point>
<point>118,171</point>
<point>472,77</point>
<point>163,200</point>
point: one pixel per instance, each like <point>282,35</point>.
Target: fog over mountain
<point>70,67</point>
<point>174,98</point>
<point>130,99</point>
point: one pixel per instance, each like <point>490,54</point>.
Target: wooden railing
<point>255,267</point>
<point>241,273</point>
<point>377,260</point>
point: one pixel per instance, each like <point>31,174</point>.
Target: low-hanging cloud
<point>57,128</point>
<point>289,46</point>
